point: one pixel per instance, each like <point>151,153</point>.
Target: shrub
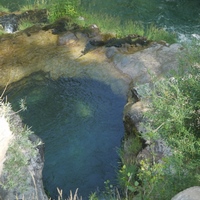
<point>174,115</point>
<point>63,8</point>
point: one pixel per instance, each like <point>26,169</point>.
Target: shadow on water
<point>80,122</point>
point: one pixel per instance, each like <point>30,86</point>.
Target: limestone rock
<point>192,193</point>
<point>153,61</point>
<point>5,138</point>
<point>31,173</point>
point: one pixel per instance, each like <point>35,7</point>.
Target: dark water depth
<point>80,122</point>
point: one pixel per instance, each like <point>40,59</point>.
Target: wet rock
<point>11,21</point>
<point>34,16</point>
<point>135,40</point>
<point>67,39</point>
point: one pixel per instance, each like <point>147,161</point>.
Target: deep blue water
<point>80,122</point>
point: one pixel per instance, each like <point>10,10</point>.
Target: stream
<point>180,16</point>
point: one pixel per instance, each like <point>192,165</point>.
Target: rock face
<point>153,61</point>
<point>192,193</point>
<point>32,172</point>
<point>5,138</point>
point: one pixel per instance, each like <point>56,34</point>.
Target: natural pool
<point>80,122</point>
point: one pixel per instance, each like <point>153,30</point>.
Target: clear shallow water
<point>181,16</point>
<point>80,122</point>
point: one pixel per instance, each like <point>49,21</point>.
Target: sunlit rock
<point>192,193</point>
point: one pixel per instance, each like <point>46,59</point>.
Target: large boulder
<point>192,193</point>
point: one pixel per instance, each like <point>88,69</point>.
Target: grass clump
<point>62,8</point>
<point>38,4</point>
<point>24,24</point>
<point>21,150</point>
<point>157,34</point>
<point>4,9</point>
<point>113,25</point>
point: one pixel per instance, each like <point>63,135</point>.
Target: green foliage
<point>109,24</point>
<point>113,25</point>
<point>23,24</point>
<point>2,32</point>
<point>174,115</point>
<point>127,181</point>
<point>4,9</point>
<point>130,27</point>
<point>158,34</point>
<point>38,4</point>
<point>63,8</point>
<point>20,151</point>
<point>190,55</point>
<point>93,196</point>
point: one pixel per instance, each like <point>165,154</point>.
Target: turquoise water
<point>180,16</point>
<point>80,122</point>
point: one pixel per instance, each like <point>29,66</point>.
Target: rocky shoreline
<point>60,50</point>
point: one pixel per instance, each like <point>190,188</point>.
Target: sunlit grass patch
<point>158,34</point>
<point>38,4</point>
<point>3,9</point>
<point>23,24</point>
<point>113,25</point>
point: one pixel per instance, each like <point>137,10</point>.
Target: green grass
<point>4,9</point>
<point>106,23</point>
<point>157,34</point>
<point>24,24</point>
<point>20,151</point>
<point>38,4</point>
<point>113,25</point>
<point>173,113</point>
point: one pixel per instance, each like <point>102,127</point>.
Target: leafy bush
<point>174,116</point>
<point>63,8</point>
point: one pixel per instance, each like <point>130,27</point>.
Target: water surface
<point>181,16</point>
<point>80,122</point>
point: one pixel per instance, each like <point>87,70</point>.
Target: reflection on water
<point>80,122</point>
